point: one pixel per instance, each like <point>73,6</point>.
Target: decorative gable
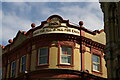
<point>55,24</point>
<point>18,39</point>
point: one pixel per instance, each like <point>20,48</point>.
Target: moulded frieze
<point>69,43</point>
<point>77,45</point>
<point>87,49</point>
<point>54,43</point>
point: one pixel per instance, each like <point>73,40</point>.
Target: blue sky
<point>19,15</point>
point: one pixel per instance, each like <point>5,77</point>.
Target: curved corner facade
<point>55,50</point>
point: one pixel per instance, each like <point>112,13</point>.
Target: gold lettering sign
<point>54,25</point>
<point>56,30</point>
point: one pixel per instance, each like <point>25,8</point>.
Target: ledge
<point>65,65</point>
<point>42,66</point>
<point>97,72</point>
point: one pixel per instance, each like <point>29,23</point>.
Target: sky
<point>15,16</point>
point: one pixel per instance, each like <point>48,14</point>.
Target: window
<point>23,64</point>
<point>65,55</point>
<point>13,69</point>
<point>43,56</point>
<point>96,62</point>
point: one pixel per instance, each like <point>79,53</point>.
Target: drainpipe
<point>81,23</point>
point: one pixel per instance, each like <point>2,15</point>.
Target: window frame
<point>38,56</point>
<point>99,63</point>
<point>12,69</point>
<point>61,54</point>
<point>21,64</point>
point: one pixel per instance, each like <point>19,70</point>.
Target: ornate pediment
<point>55,24</point>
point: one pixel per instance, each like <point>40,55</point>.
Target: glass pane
<point>43,60</point>
<point>43,51</point>
<point>96,62</point>
<point>67,50</point>
<point>66,59</point>
<point>69,59</point>
<point>13,65</point>
<point>13,73</point>
<point>23,68</point>
<point>24,60</point>
<point>96,58</point>
<point>23,64</point>
<point>96,67</point>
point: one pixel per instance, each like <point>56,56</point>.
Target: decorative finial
<point>81,23</point>
<point>10,40</point>
<point>2,46</point>
<point>33,25</point>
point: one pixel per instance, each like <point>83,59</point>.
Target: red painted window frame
<point>59,55</point>
<point>98,53</point>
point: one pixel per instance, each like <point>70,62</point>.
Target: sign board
<point>56,30</point>
<point>55,26</point>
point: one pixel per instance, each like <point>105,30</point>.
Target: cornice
<point>17,48</point>
<point>90,43</point>
<point>59,37</point>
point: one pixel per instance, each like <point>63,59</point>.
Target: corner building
<point>55,50</point>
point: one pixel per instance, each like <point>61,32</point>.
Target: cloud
<point>0,23</point>
<point>11,24</point>
<point>60,0</point>
<point>0,40</point>
<point>89,14</point>
<point>50,1</point>
<point>19,15</point>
